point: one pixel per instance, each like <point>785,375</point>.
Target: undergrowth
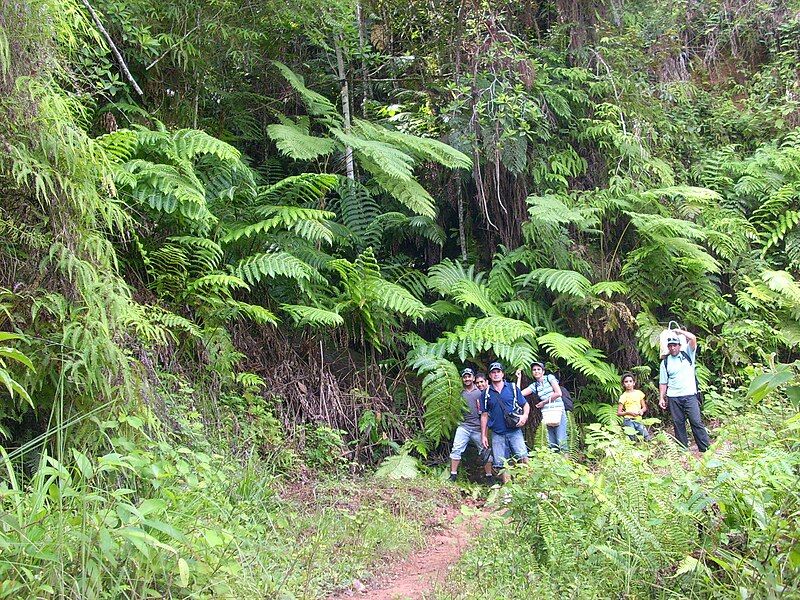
<point>649,521</point>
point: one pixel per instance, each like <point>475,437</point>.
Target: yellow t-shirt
<point>632,401</point>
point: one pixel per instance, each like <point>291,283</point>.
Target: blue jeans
<point>557,435</point>
<point>681,408</point>
<point>638,426</point>
<point>506,444</point>
<point>463,437</point>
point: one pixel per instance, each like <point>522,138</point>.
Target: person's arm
<point>557,393</point>
<point>526,411</point>
<point>644,405</point>
<point>485,429</point>
<point>621,410</point>
<point>691,339</point>
<point>662,395</point>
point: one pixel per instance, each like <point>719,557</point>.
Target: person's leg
<point>641,429</point>
<point>626,422</point>
<point>699,430</point>
<point>484,455</point>
<point>500,454</point>
<point>552,437</point>
<point>460,442</point>
<point>679,420</point>
<point>561,433</point>
<point>517,442</point>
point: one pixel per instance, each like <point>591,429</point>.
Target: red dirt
<point>416,575</point>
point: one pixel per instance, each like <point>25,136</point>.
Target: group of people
<point>502,406</point>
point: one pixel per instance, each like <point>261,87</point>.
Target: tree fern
<point>422,148</point>
<point>313,316</point>
<point>308,223</point>
<point>316,104</point>
<point>578,353</point>
<point>294,140</point>
<point>441,393</point>
<point>509,339</point>
<point>306,189</point>
<point>559,281</point>
<point>405,190</point>
<point>275,264</point>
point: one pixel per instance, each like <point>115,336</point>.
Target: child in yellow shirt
<point>632,406</point>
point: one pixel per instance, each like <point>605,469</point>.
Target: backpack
<point>696,382</point>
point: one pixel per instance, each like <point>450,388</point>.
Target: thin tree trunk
<point>348,151</point>
<point>362,37</point>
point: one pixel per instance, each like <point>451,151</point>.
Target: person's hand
<point>663,403</point>
<point>485,441</point>
<point>522,421</point>
<point>540,404</point>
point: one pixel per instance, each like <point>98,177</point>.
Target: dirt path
<point>413,577</point>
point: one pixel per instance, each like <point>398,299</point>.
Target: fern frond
<point>551,209</point>
<point>312,316</point>
<point>397,299</point>
<point>558,280</point>
<point>257,314</point>
<point>407,192</point>
<point>308,223</point>
<point>422,148</point>
<point>191,143</point>
<point>609,288</point>
<point>217,282</point>
<point>441,393</point>
<point>512,340</point>
<point>306,189</point>
<point>295,142</point>
<point>275,264</point>
<point>579,354</point>
<point>445,274</point>
<point>316,104</point>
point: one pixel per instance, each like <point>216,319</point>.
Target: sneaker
<point>453,476</point>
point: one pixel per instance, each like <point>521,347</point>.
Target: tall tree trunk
<point>348,151</point>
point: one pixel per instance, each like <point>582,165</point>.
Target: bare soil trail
<point>415,576</point>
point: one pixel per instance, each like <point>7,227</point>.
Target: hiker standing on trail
<point>677,384</point>
<point>501,400</point>
<point>548,392</point>
<point>632,406</point>
<point>470,428</point>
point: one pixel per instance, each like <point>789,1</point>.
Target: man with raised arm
<point>677,386</point>
<point>469,430</point>
<point>501,398</point>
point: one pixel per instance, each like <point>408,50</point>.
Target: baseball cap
<point>496,366</point>
<point>467,371</point>
<point>672,340</point>
<point>537,363</point>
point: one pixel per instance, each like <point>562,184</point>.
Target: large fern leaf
<point>275,264</point>
<point>294,141</point>
<point>441,394</point>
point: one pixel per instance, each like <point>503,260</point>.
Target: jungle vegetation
<point>244,244</point>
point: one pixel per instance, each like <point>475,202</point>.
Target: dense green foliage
<point>240,241</point>
<point>650,523</point>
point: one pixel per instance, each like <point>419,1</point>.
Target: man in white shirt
<point>677,385</point>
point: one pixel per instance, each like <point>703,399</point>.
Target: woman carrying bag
<point>547,397</point>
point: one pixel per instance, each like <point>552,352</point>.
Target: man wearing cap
<point>499,399</point>
<point>677,385</point>
<point>470,428</point>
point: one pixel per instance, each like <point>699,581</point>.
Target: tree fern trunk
<point>348,151</point>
